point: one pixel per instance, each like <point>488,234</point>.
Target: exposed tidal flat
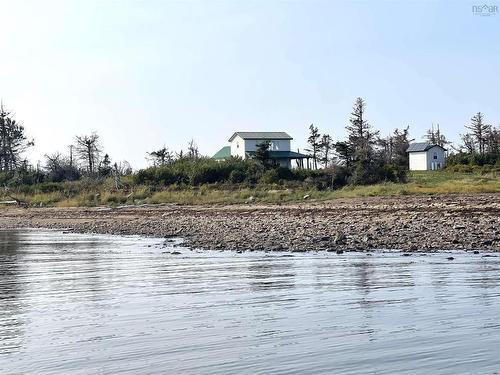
<point>406,223</point>
<point>100,304</point>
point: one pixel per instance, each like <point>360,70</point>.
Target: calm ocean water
<point>88,304</point>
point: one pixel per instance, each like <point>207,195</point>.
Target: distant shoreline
<point>405,223</point>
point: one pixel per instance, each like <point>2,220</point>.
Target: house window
<point>435,156</point>
<point>237,144</point>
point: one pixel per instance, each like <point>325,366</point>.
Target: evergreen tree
<point>262,153</point>
<point>160,157</point>
<point>13,142</point>
<point>361,140</point>
<point>105,167</point>
<point>345,154</point>
<point>479,132</point>
<point>360,134</point>
<point>393,148</point>
<point>493,140</point>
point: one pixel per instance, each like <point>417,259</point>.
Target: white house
<point>244,145</point>
<point>426,156</point>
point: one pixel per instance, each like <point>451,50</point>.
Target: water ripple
<point>86,304</point>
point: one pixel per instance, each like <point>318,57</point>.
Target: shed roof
<point>261,135</point>
<point>223,153</point>
<point>422,146</point>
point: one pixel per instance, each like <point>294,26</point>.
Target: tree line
<point>85,157</point>
<point>363,157</point>
<point>364,151</point>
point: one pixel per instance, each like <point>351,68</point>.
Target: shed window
<point>435,156</point>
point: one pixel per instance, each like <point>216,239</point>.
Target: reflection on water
<point>10,291</point>
<point>86,304</point>
<point>266,273</point>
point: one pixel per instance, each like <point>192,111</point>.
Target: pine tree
<point>345,154</point>
<point>399,142</point>
<point>105,168</point>
<point>361,137</point>
<point>160,157</point>
<point>479,132</point>
<point>262,153</point>
<point>13,142</point>
<point>493,140</point>
<point>361,140</point>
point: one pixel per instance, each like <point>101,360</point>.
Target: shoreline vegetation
<point>93,193</point>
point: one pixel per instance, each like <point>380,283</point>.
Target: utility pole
<point>71,156</point>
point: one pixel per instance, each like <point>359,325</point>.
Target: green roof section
<point>282,155</point>
<point>223,153</point>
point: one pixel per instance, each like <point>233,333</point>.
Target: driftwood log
<point>14,202</point>
<point>8,203</point>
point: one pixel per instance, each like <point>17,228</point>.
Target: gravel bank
<point>408,223</point>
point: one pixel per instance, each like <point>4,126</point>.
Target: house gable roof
<point>223,153</point>
<point>422,146</point>
<point>261,135</point>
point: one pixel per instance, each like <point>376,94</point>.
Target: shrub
<point>284,174</point>
<point>207,174</point>
<point>237,176</point>
<point>462,158</point>
<point>49,187</point>
<point>271,176</point>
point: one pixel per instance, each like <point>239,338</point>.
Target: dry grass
<point>440,182</point>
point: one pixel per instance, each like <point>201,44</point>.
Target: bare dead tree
<point>314,142</point>
<point>435,137</point>
<point>88,150</point>
<point>59,168</point>
<point>193,152</point>
<point>326,148</point>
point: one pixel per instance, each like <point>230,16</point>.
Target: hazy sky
<point>144,74</point>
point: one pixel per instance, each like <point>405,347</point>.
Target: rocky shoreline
<point>406,223</point>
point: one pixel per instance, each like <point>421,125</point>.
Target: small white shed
<point>426,156</point>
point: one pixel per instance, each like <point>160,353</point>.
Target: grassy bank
<point>91,193</point>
